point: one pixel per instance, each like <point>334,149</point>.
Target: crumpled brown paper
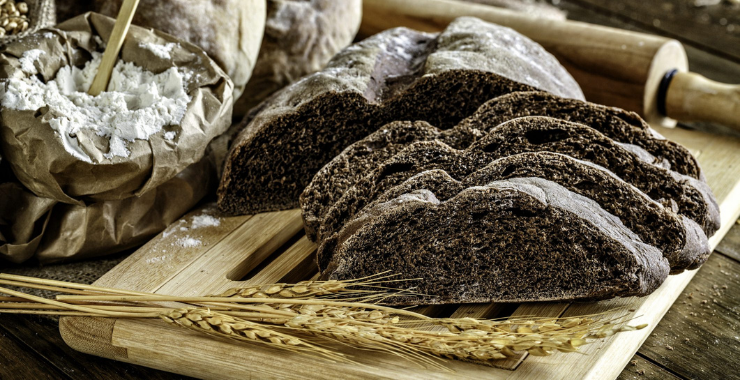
<point>51,231</point>
<point>23,218</point>
<point>36,154</point>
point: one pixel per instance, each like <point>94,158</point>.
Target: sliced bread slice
<point>360,158</point>
<point>518,240</point>
<point>330,183</point>
<point>617,124</point>
<point>684,195</point>
<point>680,239</point>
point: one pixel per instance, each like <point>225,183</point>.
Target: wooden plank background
<point>694,340</point>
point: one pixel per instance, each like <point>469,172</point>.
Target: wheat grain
<point>368,289</point>
<point>219,324</point>
<point>273,321</point>
<point>499,340</point>
<point>304,289</point>
<point>280,314</point>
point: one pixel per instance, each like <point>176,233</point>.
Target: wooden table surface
<point>699,338</point>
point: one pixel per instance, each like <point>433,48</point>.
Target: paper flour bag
<point>165,102</point>
<point>50,231</point>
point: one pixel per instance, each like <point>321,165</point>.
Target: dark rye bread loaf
<point>680,239</point>
<point>364,156</point>
<point>399,74</point>
<point>617,124</point>
<point>330,183</point>
<point>685,195</point>
<point>518,240</point>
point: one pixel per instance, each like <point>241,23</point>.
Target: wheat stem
<point>12,299</point>
<point>220,300</point>
<point>44,287</point>
<point>68,306</point>
<point>359,324</point>
<point>236,328</point>
<point>64,284</point>
<point>57,313</point>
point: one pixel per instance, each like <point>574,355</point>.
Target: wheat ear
<point>215,323</point>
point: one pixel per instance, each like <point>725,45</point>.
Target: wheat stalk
<point>345,313</point>
<point>275,321</point>
<point>366,289</point>
<point>237,302</point>
<point>303,289</point>
<point>230,327</point>
<point>505,338</point>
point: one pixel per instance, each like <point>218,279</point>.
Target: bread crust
<point>680,239</point>
<point>399,74</point>
<point>337,176</point>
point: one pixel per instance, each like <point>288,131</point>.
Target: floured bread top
<point>136,105</point>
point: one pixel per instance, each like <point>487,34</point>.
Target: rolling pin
<point>639,72</point>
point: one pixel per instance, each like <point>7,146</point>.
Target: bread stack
<point>469,162</point>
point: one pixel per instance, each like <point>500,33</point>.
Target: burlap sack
<point>50,231</point>
<point>38,157</point>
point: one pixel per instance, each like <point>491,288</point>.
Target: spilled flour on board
<point>189,242</point>
<point>155,260</point>
<point>205,220</point>
<point>136,105</point>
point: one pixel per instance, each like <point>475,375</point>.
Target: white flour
<point>99,41</point>
<point>28,59</point>
<point>205,221</point>
<point>161,51</point>
<point>188,242</point>
<point>155,260</point>
<point>169,136</point>
<point>138,104</point>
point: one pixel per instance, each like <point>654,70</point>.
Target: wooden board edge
<point>96,335</point>
<point>241,360</point>
<point>612,371</point>
<point>92,336</point>
<point>614,354</point>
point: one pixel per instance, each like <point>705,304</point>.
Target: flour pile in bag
<point>138,104</point>
<point>28,58</point>
<point>161,51</point>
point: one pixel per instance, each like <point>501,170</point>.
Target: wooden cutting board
<point>270,247</point>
